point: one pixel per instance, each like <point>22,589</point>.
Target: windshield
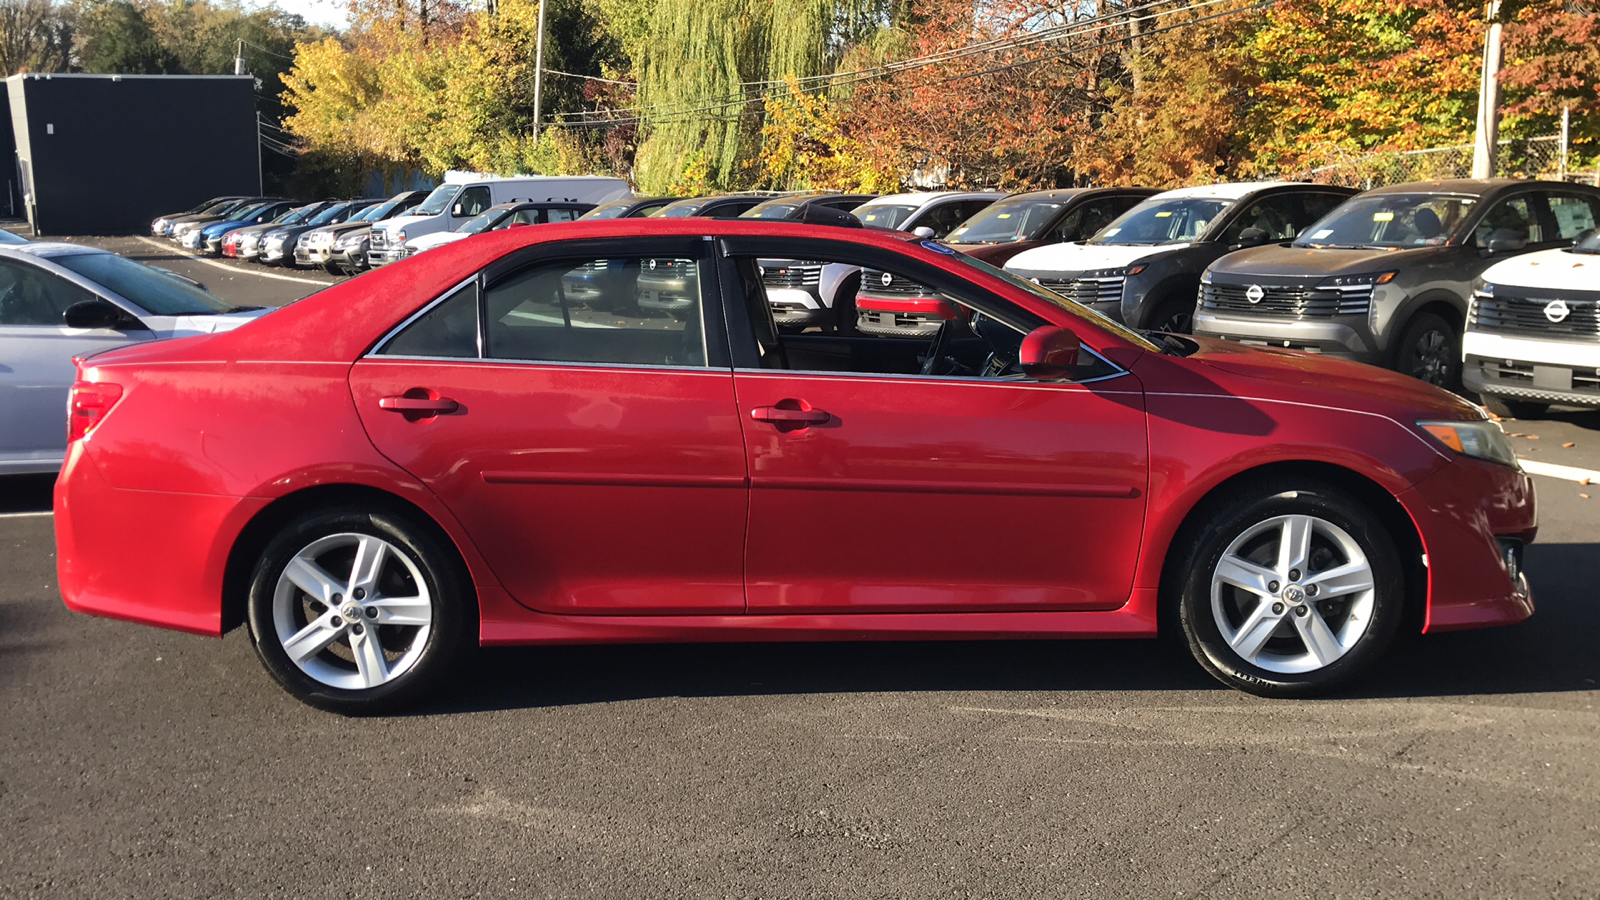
<point>888,215</point>
<point>367,214</point>
<point>1156,221</point>
<point>329,214</point>
<point>295,216</point>
<point>248,211</point>
<point>1007,221</point>
<point>482,221</point>
<point>390,207</point>
<point>1389,220</point>
<point>1077,309</point>
<point>613,210</point>
<point>155,291</point>
<point>772,209</point>
<point>681,209</point>
<point>217,209</point>
<point>438,201</point>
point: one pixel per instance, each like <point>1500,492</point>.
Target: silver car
<point>58,301</point>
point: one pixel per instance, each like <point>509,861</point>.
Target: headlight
<point>1370,278</point>
<point>399,235</point>
<point>1484,288</point>
<point>1480,439</point>
<point>1205,277</point>
<point>277,235</point>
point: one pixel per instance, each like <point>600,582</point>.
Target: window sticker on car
<point>1110,232</point>
<point>1164,214</point>
<point>1004,216</point>
<point>1383,216</point>
<point>1321,233</point>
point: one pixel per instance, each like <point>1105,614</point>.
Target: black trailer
<point>106,154</point>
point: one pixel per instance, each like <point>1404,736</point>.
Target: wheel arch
<point>1441,302</point>
<point>261,527</point>
<point>1368,492</point>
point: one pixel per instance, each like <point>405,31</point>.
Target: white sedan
<point>58,301</point>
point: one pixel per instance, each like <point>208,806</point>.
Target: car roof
<point>1469,186</point>
<point>921,198</point>
<point>48,249</point>
<point>1231,191</point>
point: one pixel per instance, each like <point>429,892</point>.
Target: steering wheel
<point>941,340</point>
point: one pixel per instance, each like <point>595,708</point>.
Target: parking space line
<point>1552,470</point>
<point>26,515</point>
<point>227,268</point>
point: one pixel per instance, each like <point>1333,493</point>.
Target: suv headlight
<point>1481,439</point>
<point>398,235</point>
<point>1369,278</point>
<point>1483,287</point>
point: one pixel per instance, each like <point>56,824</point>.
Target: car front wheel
<point>358,611</point>
<point>1290,590</point>
<point>1430,350</point>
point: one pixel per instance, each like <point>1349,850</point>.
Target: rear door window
<point>1573,214</point>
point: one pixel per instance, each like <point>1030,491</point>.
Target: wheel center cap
<point>1294,594</point>
<point>352,612</point>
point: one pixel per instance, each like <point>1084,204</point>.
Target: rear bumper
<point>1461,511</point>
<point>111,563</point>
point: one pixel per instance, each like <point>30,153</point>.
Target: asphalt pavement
<point>143,763</point>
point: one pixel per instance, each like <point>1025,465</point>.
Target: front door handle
<point>424,405</point>
<point>790,414</point>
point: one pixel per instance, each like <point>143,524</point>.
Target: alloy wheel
<point>1432,356</point>
<point>1293,594</point>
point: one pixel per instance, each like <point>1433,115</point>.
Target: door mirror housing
<point>1049,353</point>
<point>1252,237</point>
<point>95,314</point>
<point>457,211</point>
<point>1583,236</point>
<point>1505,240</point>
<point>922,231</point>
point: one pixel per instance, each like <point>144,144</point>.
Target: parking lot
<point>142,763</point>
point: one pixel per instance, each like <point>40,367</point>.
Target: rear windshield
<point>1007,221</point>
<point>1383,221</point>
<point>1156,221</point>
<point>155,291</point>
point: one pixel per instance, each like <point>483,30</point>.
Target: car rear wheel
<point>358,610</point>
<point>1430,350</point>
<point>1290,590</point>
<point>1514,409</point>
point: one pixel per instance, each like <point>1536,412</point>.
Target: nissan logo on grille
<point>1556,310</point>
<point>1254,293</point>
<point>887,279</point>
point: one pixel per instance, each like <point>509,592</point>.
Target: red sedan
<point>453,449</point>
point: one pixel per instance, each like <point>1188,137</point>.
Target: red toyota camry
<point>454,449</point>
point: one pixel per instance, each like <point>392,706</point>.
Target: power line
<point>667,115</point>
<point>589,78</point>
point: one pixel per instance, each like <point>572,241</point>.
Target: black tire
<point>1233,519</point>
<point>333,269</point>
<point>427,653</point>
<point>1430,350</point>
<point>1175,316</point>
<point>1514,409</point>
<point>844,307</point>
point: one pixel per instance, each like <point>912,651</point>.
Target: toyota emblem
<point>1254,293</point>
<point>887,279</point>
<point>1556,310</point>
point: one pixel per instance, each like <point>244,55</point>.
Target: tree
<point>1552,60</point>
<point>35,36</point>
<point>117,38</point>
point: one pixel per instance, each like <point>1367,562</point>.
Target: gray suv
<point>1385,278</point>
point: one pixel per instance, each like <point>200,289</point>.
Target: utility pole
<point>538,73</point>
<point>1566,139</point>
<point>238,59</point>
<point>1486,143</point>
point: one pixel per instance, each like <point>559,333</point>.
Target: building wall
<point>106,154</point>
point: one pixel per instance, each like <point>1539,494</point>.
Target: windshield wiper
<point>239,309</point>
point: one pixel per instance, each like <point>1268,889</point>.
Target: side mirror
<point>922,231</point>
<point>1583,236</point>
<point>1049,353</point>
<point>94,314</point>
<point>457,211</point>
<point>1505,240</point>
<point>518,225</point>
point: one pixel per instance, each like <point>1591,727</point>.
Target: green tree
<point>35,36</point>
<point>117,38</point>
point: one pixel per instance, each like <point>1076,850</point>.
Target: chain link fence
<point>1538,157</point>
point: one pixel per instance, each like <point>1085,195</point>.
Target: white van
<point>465,195</point>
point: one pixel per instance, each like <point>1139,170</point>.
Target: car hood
<point>1075,257</point>
<point>1339,383</point>
<point>184,326</point>
<point>1300,262</point>
<point>399,222</point>
<point>437,238</point>
<point>1560,270</point>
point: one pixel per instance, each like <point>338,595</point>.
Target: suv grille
<point>1086,291</point>
<point>872,283</point>
<point>1296,301</point>
<point>378,239</point>
<point>662,268</point>
<point>1526,315</point>
<point>792,274</point>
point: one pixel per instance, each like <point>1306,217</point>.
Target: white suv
<point>1533,333</point>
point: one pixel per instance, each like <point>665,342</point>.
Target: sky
<point>318,12</point>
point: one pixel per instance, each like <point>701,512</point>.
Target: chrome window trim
<point>555,364</point>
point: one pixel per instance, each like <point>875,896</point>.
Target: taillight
<point>87,404</point>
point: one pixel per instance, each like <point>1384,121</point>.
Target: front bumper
<point>1346,337</point>
<point>1462,511</point>
<point>797,307</point>
<point>349,257</point>
<point>1533,369</point>
<point>897,316</point>
<point>272,252</point>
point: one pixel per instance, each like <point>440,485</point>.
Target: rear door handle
<point>434,405</point>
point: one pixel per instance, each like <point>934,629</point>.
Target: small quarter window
<point>449,330</point>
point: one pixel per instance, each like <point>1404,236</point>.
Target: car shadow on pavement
<point>1551,653</point>
<point>25,493</point>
